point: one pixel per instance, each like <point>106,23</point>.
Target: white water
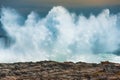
<point>60,36</point>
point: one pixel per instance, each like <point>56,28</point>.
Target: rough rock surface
<point>50,70</point>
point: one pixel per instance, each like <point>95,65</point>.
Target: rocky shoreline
<point>51,70</point>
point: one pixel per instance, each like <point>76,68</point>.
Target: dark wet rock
<point>51,70</point>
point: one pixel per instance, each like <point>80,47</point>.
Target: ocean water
<point>60,36</point>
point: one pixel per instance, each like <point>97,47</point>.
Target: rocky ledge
<point>51,70</point>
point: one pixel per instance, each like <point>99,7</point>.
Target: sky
<point>67,3</point>
<point>43,6</point>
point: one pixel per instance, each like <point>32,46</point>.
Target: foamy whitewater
<point>60,36</point>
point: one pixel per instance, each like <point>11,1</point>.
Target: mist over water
<point>60,36</point>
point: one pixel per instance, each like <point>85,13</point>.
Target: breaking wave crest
<point>60,36</point>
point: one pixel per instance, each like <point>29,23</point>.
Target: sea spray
<point>60,36</point>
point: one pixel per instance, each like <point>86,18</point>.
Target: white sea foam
<point>60,36</point>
